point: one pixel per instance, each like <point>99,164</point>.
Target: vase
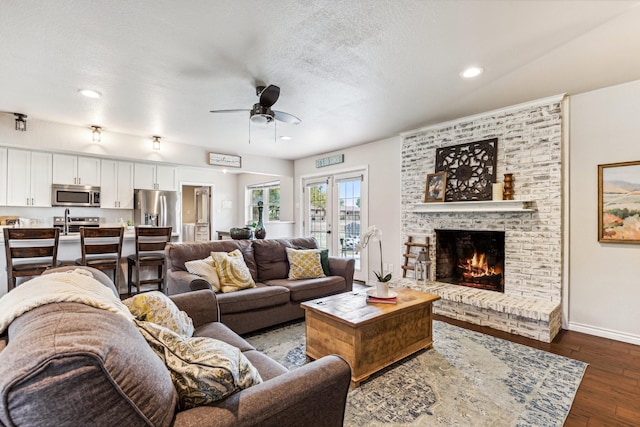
<point>260,232</point>
<point>382,289</point>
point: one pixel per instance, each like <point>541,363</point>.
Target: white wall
<point>604,278</point>
<point>383,161</point>
<point>57,137</point>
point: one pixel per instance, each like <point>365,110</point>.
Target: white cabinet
<point>116,190</point>
<point>28,178</point>
<point>68,169</point>
<point>155,177</point>
<point>3,176</point>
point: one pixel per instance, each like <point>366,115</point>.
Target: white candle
<point>497,191</point>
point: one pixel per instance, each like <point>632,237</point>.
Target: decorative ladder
<point>408,255</point>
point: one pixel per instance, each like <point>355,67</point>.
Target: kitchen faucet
<point>66,221</point>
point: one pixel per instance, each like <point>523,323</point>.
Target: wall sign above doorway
<point>331,160</point>
<point>227,160</point>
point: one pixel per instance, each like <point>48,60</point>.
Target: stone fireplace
<point>526,295</point>
<point>470,258</point>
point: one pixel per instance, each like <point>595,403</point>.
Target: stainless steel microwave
<point>75,195</point>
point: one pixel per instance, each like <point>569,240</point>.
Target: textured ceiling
<point>353,71</point>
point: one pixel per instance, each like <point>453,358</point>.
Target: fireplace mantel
<point>475,206</point>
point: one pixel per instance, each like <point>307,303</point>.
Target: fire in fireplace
<point>471,258</point>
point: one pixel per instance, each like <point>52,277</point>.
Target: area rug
<point>466,379</point>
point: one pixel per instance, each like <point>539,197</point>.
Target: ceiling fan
<point>261,113</point>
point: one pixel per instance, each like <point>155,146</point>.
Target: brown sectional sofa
<point>69,364</point>
<point>275,299</point>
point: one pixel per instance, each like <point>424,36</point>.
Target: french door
<point>335,209</point>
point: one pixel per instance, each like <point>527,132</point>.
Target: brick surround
<point>530,147</point>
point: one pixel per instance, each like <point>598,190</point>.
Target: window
<point>269,194</point>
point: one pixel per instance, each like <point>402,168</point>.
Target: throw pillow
<point>203,369</point>
<point>206,269</point>
<point>304,264</point>
<point>324,259</point>
<point>232,271</point>
<point>158,308</point>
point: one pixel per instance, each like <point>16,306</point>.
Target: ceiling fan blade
<point>286,117</point>
<point>228,111</point>
<point>269,95</point>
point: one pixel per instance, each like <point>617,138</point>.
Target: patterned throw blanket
<point>72,286</point>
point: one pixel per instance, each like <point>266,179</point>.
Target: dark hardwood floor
<point>609,394</point>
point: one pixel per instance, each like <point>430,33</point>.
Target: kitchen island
<point>69,250</point>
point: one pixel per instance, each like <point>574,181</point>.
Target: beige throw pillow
<point>158,308</point>
<point>203,369</point>
<point>232,271</point>
<point>206,269</point>
<point>304,264</point>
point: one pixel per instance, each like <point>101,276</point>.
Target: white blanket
<point>72,286</point>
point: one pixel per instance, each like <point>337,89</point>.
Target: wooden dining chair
<point>30,251</point>
<point>150,243</point>
<point>102,249</point>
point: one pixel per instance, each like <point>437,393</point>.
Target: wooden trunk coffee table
<point>369,336</point>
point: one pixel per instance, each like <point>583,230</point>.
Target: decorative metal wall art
<point>470,168</point>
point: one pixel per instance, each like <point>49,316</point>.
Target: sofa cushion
<point>306,289</point>
<point>304,264</point>
<point>69,361</point>
<point>271,256</point>
<point>232,271</point>
<point>179,253</point>
<point>158,308</point>
<point>253,299</point>
<point>206,269</point>
<point>204,370</point>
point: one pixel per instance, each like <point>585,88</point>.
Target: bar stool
<point>22,260</point>
<point>102,249</point>
<point>150,243</point>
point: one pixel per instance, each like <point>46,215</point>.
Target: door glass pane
<point>317,214</point>
<point>349,218</point>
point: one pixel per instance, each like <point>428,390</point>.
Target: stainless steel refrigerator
<point>157,208</point>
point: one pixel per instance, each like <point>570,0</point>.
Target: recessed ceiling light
<point>286,138</point>
<point>90,93</point>
<point>472,72</point>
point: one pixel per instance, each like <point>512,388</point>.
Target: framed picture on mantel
<point>619,202</point>
<point>436,185</point>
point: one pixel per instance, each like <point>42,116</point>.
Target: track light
<point>156,143</point>
<point>21,122</point>
<point>96,133</point>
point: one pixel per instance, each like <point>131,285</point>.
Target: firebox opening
<point>471,258</point>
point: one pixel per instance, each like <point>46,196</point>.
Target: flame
<point>477,266</point>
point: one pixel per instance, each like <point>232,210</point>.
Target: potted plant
<point>382,285</point>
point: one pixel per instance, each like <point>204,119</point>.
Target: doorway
<point>196,213</point>
<point>335,213</point>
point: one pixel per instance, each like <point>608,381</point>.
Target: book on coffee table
<point>378,300</point>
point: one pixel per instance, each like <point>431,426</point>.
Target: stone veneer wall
<point>530,147</point>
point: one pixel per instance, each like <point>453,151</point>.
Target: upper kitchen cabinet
<point>76,170</point>
<point>3,176</point>
<point>155,177</point>
<point>116,190</point>
<point>29,178</point>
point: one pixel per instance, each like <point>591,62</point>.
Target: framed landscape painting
<point>619,202</point>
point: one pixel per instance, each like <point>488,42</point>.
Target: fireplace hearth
<point>470,258</point>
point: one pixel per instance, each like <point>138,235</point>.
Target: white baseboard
<point>604,333</point>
